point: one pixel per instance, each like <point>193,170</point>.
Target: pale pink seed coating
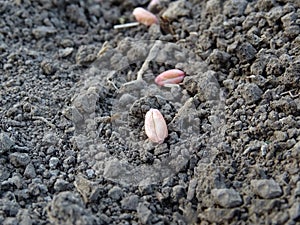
<point>173,76</point>
<point>153,3</point>
<point>155,126</point>
<point>145,17</point>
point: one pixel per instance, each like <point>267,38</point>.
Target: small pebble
<point>10,221</point>
<point>227,198</point>
<point>176,9</point>
<point>50,138</point>
<point>86,54</point>
<point>115,193</point>
<point>19,159</point>
<point>6,143</point>
<point>191,189</point>
<point>297,190</point>
<point>130,203</point>
<point>61,185</point>
<point>229,84</point>
<point>266,188</point>
<point>295,211</point>
<point>246,52</point>
<point>178,192</point>
<point>144,214</point>
<point>90,173</point>
<point>15,180</point>
<point>30,171</point>
<point>7,66</point>
<point>235,7</point>
<point>146,186</point>
<point>68,208</point>
<point>48,67</point>
<point>280,135</point>
<point>53,162</point>
<point>65,52</point>
<point>251,93</point>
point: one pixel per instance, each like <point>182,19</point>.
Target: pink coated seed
<point>173,76</point>
<point>155,126</point>
<point>153,3</point>
<point>145,17</point>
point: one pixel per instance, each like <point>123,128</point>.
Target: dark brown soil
<point>74,94</point>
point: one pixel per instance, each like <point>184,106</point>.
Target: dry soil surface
<point>74,94</point>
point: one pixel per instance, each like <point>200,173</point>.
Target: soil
<point>75,91</point>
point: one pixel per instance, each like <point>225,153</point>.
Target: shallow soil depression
<point>149,112</point>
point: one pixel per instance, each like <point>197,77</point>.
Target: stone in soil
<point>266,188</point>
<point>145,215</point>
<point>68,208</point>
<point>227,198</point>
<point>19,159</point>
<point>30,171</point>
<point>251,93</point>
<point>90,191</point>
<point>130,203</point>
<point>295,211</point>
<point>6,143</point>
<point>115,193</point>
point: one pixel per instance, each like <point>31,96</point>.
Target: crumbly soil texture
<point>74,94</point>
